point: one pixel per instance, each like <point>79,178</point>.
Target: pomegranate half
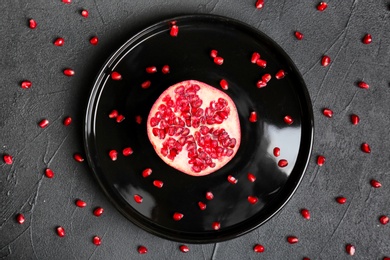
<point>194,128</point>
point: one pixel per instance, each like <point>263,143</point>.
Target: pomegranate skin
<point>181,158</point>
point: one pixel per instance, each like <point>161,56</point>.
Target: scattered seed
<point>49,173</point>
<point>355,119</point>
<point>20,218</point>
<point>280,74</point>
<point>261,84</point>
<point>78,157</point>
<point>292,239</point>
<point>350,249</point>
<point>147,172</point>
<point>258,248</point>
<point>184,248</point>
<point>60,231</point>
<point>32,24</point>
<point>341,200</point>
<point>251,177</point>
<point>366,148</point>
<point>80,203</point>
<point>386,258</point>
<point>127,151</point>
<point>253,117</point>
<point>213,53</point>
<point>67,1</point>
<point>266,77</point>
<point>177,216</point>
<point>325,60</point>
<point>276,151</point>
<point>384,220</point>
<point>253,199</point>
<point>113,114</point>
<point>69,72</point>
<point>216,225</point>
<point>116,75</point>
<point>224,84</point>
<point>298,35</point>
<point>364,85</point>
<point>367,39</point>
<point>218,60</point>
<point>305,214</point>
<point>138,119</point>
<point>255,57</point>
<point>261,63</point>
<point>43,123</point>
<point>209,195</point>
<point>94,40</point>
<point>320,160</point>
<point>282,163</point>
<point>306,258</point>
<point>96,241</point>
<point>157,183</point>
<point>98,211</point>
<point>113,155</point>
<point>142,250</point>
<point>259,4</point>
<point>174,30</point>
<point>26,84</point>
<point>327,112</point>
<point>375,184</point>
<point>288,120</point>
<point>201,205</point>
<point>165,69</point>
<point>146,84</point>
<point>84,13</point>
<point>120,118</point>
<point>151,69</point>
<point>322,6</point>
<point>138,198</point>
<point>7,159</point>
<point>59,42</point>
<point>232,180</point>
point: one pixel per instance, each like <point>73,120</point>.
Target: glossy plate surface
<point>188,56</point>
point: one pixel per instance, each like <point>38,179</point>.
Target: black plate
<point>188,56</point>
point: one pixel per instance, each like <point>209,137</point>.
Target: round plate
<point>188,56</point>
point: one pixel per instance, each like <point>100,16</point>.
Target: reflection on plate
<point>266,177</point>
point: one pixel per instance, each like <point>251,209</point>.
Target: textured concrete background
<point>47,203</point>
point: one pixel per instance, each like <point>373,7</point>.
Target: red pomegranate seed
<point>362,84</point>
<point>7,159</point>
<point>146,84</point>
<point>120,118</point>
<point>261,63</point>
<point>305,214</point>
<point>184,248</point>
<point>298,35</point>
<point>306,258</point>
<point>151,69</point>
<point>174,30</point>
<point>80,203</point>
<point>84,13</point>
<point>60,231</point>
<point>127,151</point>
<point>147,172</point>
<point>375,184</point>
<point>59,42</point>
<point>177,216</point>
<point>69,72</point>
<point>116,75</point>
<point>209,195</point>
<point>218,60</point>
<point>43,123</point>
<point>216,225</point>
<point>366,148</point>
<point>113,114</point>
<point>158,184</point>
<point>350,249</point>
<point>325,60</point>
<point>386,258</point>
<point>20,218</point>
<point>288,120</point>
<point>292,239</point>
<point>367,39</point>
<point>165,69</point>
<point>261,84</point>
<point>213,53</point>
<point>26,84</point>
<point>138,198</point>
<point>49,173</point>
<point>142,250</point>
<point>113,155</point>
<point>322,6</point>
<point>252,199</point>
<point>78,157</point>
<point>96,241</point>
<point>201,205</point>
<point>224,84</point>
<point>94,40</point>
<point>253,117</point>
<point>32,24</point>
<point>384,220</point>
<point>258,248</point>
<point>231,179</point>
<point>320,160</point>
<point>98,211</point>
<point>282,163</point>
<point>266,77</point>
<point>259,4</point>
<point>138,119</point>
<point>67,121</point>
<point>341,200</point>
<point>280,74</point>
<point>67,1</point>
<point>355,119</point>
<point>327,112</point>
<point>276,151</point>
<point>255,57</point>
<point>251,177</point>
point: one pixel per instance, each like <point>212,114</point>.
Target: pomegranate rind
<point>231,125</point>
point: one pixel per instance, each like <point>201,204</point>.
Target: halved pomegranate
<point>194,128</point>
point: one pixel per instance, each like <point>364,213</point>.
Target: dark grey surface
<point>47,203</point>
